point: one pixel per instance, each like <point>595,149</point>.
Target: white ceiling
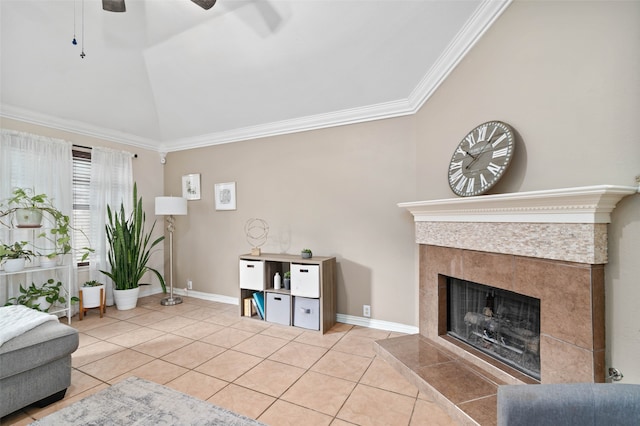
<point>168,75</point>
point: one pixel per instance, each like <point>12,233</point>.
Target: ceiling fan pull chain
<point>82,55</point>
<point>74,42</point>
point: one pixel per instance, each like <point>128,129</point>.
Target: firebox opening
<point>500,323</point>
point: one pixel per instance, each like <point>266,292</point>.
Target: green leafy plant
<point>287,274</point>
<point>34,296</point>
<point>59,229</point>
<point>130,246</point>
<point>16,250</point>
<point>92,283</point>
<point>306,251</point>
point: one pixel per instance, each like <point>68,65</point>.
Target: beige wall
<point>147,172</point>
<point>334,191</point>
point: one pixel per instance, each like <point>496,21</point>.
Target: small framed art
<point>191,186</point>
<point>225,195</point>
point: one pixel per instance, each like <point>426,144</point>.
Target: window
<point>81,199</point>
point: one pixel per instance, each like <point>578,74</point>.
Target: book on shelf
<point>258,297</point>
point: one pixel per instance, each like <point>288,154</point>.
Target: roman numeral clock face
<point>481,159</point>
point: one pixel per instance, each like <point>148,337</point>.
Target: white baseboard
<point>345,319</point>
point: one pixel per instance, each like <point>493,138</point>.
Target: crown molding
<point>485,15</point>
<point>72,126</point>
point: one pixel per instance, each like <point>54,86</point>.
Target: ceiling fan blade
<point>205,4</point>
<point>114,5</point>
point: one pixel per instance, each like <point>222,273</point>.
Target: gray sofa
<point>569,404</point>
<point>35,367</point>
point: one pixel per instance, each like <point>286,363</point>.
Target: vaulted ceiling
<point>169,75</point>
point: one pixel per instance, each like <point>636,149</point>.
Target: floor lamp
<point>171,206</point>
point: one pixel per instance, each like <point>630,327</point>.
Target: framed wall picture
<point>225,195</point>
<point>191,186</point>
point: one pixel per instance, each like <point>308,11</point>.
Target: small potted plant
<point>41,298</point>
<point>287,280</point>
<point>91,294</point>
<point>13,256</point>
<point>306,253</point>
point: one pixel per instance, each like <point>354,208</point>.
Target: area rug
<point>135,401</point>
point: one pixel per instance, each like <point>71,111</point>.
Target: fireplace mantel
<point>560,224</point>
<point>588,204</point>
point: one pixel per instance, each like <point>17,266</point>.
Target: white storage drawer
<point>252,274</point>
<point>305,280</point>
<point>279,308</point>
<point>306,313</point>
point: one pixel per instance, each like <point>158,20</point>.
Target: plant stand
<point>83,310</point>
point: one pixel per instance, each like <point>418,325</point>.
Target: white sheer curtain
<point>111,184</point>
<point>45,165</point>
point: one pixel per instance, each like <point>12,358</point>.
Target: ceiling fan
<point>118,5</point>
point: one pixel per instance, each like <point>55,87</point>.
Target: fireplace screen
<point>503,324</point>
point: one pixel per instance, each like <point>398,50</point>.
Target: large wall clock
<point>481,158</point>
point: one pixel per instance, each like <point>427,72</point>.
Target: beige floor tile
<point>197,385</point>
<point>86,340</point>
<point>193,355</point>
<point>383,376</point>
<point>372,406</point>
<point>112,312</point>
<point>38,413</point>
<point>224,318</point>
<point>19,418</point>
<point>162,345</point>
<point>316,339</point>
<point>136,337</point>
<point>81,382</point>
<point>357,345</point>
<point>298,354</point>
<point>229,365</point>
<point>371,333</point>
<point>342,365</point>
<point>227,337</point>
<point>91,323</point>
<point>260,345</point>
<point>111,330</point>
<point>94,352</point>
<point>198,331</point>
<point>157,371</point>
<point>242,400</point>
<point>283,413</point>
<point>115,365</point>
<point>270,377</point>
<point>251,325</point>
<point>319,392</point>
<point>282,331</point>
<point>173,323</point>
<point>149,318</point>
<point>426,412</point>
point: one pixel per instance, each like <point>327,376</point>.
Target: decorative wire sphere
<point>257,231</point>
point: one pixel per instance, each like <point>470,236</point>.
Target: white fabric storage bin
<point>252,274</point>
<point>306,313</point>
<point>279,308</point>
<point>305,280</point>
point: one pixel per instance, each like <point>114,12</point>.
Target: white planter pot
<point>91,296</point>
<point>29,218</point>
<point>47,262</point>
<point>126,299</point>
<point>14,265</point>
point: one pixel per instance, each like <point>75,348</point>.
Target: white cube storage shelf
<point>310,303</point>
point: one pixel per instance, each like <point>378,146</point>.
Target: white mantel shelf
<point>587,204</point>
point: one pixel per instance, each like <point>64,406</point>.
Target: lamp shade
<point>171,206</point>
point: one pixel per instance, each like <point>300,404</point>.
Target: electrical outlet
<point>189,285</point>
<point>366,310</point>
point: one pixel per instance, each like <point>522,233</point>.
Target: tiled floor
<point>277,375</point>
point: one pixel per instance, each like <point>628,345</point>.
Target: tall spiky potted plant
<point>129,252</point>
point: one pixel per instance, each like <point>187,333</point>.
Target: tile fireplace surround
<point>551,245</point>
